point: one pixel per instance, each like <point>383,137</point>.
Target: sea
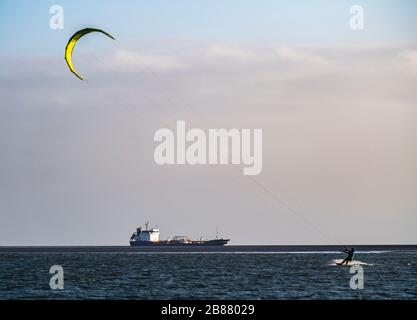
<point>206,275</point>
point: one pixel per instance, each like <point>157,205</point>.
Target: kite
<point>71,43</point>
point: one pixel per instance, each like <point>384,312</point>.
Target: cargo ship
<point>150,237</point>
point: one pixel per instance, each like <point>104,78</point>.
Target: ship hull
<point>208,243</point>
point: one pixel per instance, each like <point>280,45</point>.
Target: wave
<point>336,262</point>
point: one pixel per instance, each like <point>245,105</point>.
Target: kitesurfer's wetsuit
<point>350,254</point>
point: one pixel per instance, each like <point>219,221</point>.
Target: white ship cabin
<point>147,234</point>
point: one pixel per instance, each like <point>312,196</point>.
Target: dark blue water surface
<point>388,275</point>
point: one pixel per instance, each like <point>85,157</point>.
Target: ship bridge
<point>147,234</point>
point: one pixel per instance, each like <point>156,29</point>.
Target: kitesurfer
<point>350,254</point>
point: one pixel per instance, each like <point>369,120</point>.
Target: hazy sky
<point>338,109</point>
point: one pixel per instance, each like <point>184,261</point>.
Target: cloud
<point>410,58</point>
<point>131,61</point>
<point>293,55</point>
<point>224,51</point>
<point>331,117</point>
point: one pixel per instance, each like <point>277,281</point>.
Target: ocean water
<point>387,275</point>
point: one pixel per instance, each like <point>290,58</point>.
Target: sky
<point>337,107</point>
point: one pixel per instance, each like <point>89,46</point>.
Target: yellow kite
<point>71,43</point>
